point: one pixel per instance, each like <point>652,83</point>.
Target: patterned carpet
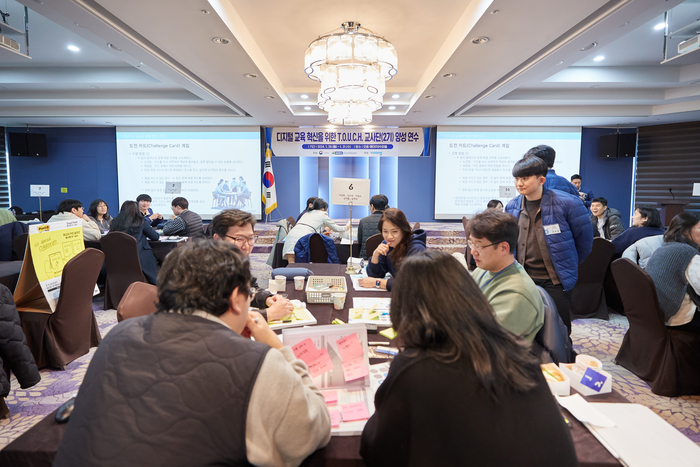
<point>600,339</point>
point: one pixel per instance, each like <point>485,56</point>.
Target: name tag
<point>551,229</point>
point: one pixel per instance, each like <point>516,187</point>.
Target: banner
<point>351,142</point>
<point>269,195</point>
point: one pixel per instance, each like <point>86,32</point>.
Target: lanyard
<point>495,275</point>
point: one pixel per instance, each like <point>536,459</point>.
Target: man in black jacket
<point>607,222</point>
<point>184,223</point>
<point>368,225</point>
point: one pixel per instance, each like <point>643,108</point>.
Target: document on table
<point>356,284</point>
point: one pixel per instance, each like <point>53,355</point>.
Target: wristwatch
<point>378,284</point>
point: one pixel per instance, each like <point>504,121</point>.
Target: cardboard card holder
<point>590,383</point>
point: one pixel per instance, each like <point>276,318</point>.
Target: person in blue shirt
<point>554,181</point>
<point>585,194</point>
<point>646,222</point>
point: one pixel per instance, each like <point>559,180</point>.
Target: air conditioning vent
<point>691,44</point>
<point>7,42</point>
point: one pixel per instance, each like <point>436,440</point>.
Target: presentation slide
<point>213,168</point>
<point>474,165</point>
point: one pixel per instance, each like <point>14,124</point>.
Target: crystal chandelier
<point>352,67</point>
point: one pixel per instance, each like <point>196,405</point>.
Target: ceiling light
<point>560,63</point>
<point>480,40</point>
<point>416,111</point>
<point>307,108</point>
<point>430,97</point>
<point>599,58</point>
<point>594,86</point>
<point>353,67</point>
<point>449,75</point>
<point>250,75</point>
<point>392,108</point>
<point>73,48</point>
<point>114,47</point>
<point>588,47</point>
<point>304,96</point>
<point>269,97</point>
<point>95,87</point>
<point>395,96</point>
<point>283,111</point>
<point>221,40</point>
<point>206,12</point>
<point>660,26</point>
<point>495,12</point>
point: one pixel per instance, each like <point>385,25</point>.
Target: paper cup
<point>272,286</point>
<point>338,301</point>
<point>299,282</point>
<point>281,283</point>
<point>586,361</point>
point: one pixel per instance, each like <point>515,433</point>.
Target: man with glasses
<point>502,280</point>
<point>237,227</point>
<point>68,210</point>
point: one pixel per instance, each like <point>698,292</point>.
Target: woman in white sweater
<point>311,222</point>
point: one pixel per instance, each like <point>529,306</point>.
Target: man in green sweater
<point>504,282</point>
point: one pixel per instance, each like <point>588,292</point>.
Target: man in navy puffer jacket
<point>555,233</point>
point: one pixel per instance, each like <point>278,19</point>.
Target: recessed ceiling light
<point>307,108</point>
<point>660,26</point>
<point>430,97</point>
<point>221,40</point>
<point>205,12</point>
<point>449,75</point>
<point>114,47</point>
<point>495,12</point>
<point>304,96</point>
<point>588,47</point>
<point>480,40</point>
<point>250,75</point>
<point>95,87</point>
<point>269,97</point>
<point>283,111</point>
<point>416,111</point>
<point>560,63</point>
<point>73,48</point>
<point>392,108</point>
<point>395,96</point>
<point>599,58</point>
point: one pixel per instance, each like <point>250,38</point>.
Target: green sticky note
<point>64,189</point>
<point>389,333</point>
<point>337,321</point>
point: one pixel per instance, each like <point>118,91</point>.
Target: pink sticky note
<point>354,411</point>
<point>349,347</point>
<point>305,351</point>
<point>321,364</point>
<point>330,396</point>
<point>335,418</point>
<point>355,369</point>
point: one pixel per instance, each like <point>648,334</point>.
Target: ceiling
<point>153,62</point>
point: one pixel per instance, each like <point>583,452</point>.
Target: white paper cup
<point>299,282</point>
<point>586,361</point>
<point>281,283</point>
<point>272,286</point>
<point>338,301</point>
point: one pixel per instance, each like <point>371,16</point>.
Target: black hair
<point>600,200</point>
<point>311,202</point>
<point>67,205</point>
<point>319,204</point>
<point>92,212</point>
<point>575,177</point>
<point>180,201</point>
<point>143,197</point>
<point>496,227</point>
<point>493,204</point>
<point>679,228</point>
<point>652,215</point>
<point>380,202</point>
<point>129,219</point>
<point>544,152</point>
<point>529,166</point>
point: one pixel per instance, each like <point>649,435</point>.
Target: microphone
<point>671,191</point>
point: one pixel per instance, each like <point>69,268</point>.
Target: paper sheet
<point>584,411</point>
<point>356,285</point>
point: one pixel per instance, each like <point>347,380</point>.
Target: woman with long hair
<point>99,213</point>
<point>464,390</point>
<point>675,270</point>
<point>313,221</point>
<point>132,222</point>
<point>399,242</point>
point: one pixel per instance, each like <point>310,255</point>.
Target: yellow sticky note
<point>389,333</point>
<point>64,190</point>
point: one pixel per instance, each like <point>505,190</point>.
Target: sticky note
<point>389,333</point>
<point>354,411</point>
<point>355,369</point>
<point>330,396</point>
<point>321,364</point>
<point>349,347</point>
<point>305,351</point>
<point>335,418</point>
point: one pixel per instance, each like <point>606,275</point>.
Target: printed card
<point>355,369</point>
<point>354,411</point>
<point>322,364</point>
<point>349,347</point>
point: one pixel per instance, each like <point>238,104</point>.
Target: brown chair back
<point>588,296</point>
<point>467,251</point>
<point>73,326</point>
<point>19,246</point>
<point>372,243</point>
<point>139,300</point>
<point>416,226</point>
<point>292,221</point>
<point>122,266</point>
<point>317,249</point>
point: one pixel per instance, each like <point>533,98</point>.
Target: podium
<point>670,208</point>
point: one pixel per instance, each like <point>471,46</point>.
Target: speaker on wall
<point>627,145</point>
<point>617,145</point>
<point>18,144</point>
<point>28,144</point>
<point>607,147</point>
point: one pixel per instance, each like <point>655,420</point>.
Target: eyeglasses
<point>241,240</point>
<point>479,247</point>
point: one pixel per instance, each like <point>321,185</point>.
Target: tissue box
<point>590,383</point>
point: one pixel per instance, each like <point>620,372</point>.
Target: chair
<point>19,246</point>
<point>317,249</point>
<point>58,338</point>
<point>17,210</point>
<point>471,264</point>
<point>8,232</point>
<point>139,300</point>
<point>122,266</point>
<point>372,243</point>
<point>416,226</point>
<point>553,336</point>
<point>292,221</point>
<point>588,296</point>
<point>666,359</point>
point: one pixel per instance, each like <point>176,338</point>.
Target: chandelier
<point>352,67</point>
